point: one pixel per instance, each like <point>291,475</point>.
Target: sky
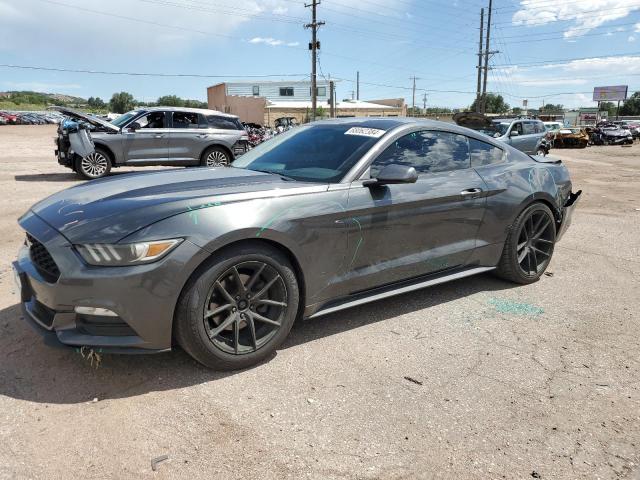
<point>549,51</point>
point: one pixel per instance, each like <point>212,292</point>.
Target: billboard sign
<point>610,94</point>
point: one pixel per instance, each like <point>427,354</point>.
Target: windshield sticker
<point>365,132</point>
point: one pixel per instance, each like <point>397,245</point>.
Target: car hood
<point>473,120</point>
<point>85,117</point>
<point>107,210</point>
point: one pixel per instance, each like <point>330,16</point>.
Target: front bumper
<point>143,297</point>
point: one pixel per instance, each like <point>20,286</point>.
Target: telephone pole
<point>357,85</point>
<point>478,89</point>
<point>424,104</point>
<point>413,101</point>
<point>314,46</point>
<point>487,52</point>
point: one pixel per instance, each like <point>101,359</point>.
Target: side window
<point>427,152</point>
<point>152,120</point>
<point>255,90</point>
<point>528,128</point>
<point>286,91</point>
<point>539,127</point>
<point>484,154</point>
<point>184,120</point>
<point>223,123</point>
<point>517,127</point>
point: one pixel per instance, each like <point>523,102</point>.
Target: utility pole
<point>314,46</point>
<point>413,101</point>
<point>357,85</point>
<point>424,103</point>
<point>332,111</point>
<point>487,52</point>
<point>478,89</point>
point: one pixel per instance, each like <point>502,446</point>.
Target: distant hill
<point>40,98</point>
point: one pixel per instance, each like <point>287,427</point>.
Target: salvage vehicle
<point>609,134</point>
<point>570,138</point>
<point>151,136</point>
<point>324,217</point>
<point>526,135</point>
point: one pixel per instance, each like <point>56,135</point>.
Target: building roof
<point>345,105</point>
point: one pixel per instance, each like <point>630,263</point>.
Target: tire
<point>94,165</point>
<point>518,245</point>
<point>215,157</point>
<point>200,331</point>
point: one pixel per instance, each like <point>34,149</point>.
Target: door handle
<point>471,192</point>
<point>159,135</point>
<point>202,135</point>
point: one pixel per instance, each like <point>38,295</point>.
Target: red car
<point>9,117</point>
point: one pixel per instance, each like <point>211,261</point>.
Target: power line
<point>148,74</point>
<point>566,60</point>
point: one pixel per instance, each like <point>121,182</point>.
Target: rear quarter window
<point>483,153</point>
<point>223,123</point>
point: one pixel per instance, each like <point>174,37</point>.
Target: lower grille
<point>42,259</point>
<point>43,313</point>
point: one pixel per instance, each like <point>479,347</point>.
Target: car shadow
<point>31,371</point>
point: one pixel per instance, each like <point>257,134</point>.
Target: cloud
<point>631,38</point>
<point>585,15</point>
<point>280,10</point>
<point>273,42</point>
<point>577,72</point>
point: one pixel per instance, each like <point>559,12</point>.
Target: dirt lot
<point>540,381</point>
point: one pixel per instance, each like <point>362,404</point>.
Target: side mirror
<point>393,174</point>
<point>514,133</point>
<point>133,126</point>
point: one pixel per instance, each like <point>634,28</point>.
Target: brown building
<point>290,99</point>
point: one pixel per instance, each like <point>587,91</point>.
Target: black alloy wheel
<point>535,242</point>
<point>529,245</point>
<point>245,307</point>
<point>238,306</point>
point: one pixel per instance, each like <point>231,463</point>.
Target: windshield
<point>502,128</point>
<point>124,118</point>
<point>312,153</point>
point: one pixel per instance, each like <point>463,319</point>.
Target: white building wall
<point>271,90</point>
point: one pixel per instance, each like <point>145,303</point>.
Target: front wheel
<point>238,307</point>
<point>94,165</point>
<point>529,245</point>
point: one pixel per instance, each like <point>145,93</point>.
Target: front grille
<point>42,259</point>
<point>43,313</point>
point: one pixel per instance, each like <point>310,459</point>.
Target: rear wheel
<point>238,307</point>
<point>216,157</point>
<point>529,245</point>
<point>94,165</point>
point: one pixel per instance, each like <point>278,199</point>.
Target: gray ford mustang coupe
<point>324,217</point>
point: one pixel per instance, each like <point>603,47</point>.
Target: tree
<point>608,107</point>
<point>551,108</point>
<point>96,102</point>
<point>516,111</point>
<point>195,104</point>
<point>121,102</point>
<point>170,101</point>
<point>495,104</point>
<point>631,105</point>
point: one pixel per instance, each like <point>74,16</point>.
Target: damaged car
<point>610,134</point>
<point>572,137</point>
<point>327,216</point>
<point>148,136</point>
<point>526,135</point>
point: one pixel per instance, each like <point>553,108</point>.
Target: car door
<point>530,136</point>
<point>186,138</point>
<point>517,140</point>
<point>146,140</point>
<point>408,230</point>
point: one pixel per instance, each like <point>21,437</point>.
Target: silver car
<point>527,135</point>
<point>91,146</point>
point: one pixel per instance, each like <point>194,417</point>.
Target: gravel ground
<point>474,379</point>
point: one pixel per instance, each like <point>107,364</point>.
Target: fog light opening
<point>95,311</point>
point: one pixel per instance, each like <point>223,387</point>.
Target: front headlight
<point>120,255</point>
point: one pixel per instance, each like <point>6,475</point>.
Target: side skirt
<point>397,289</point>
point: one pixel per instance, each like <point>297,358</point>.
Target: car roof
<point>203,111</point>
